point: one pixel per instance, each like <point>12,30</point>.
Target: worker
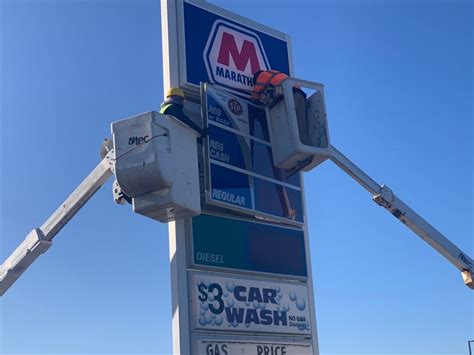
<point>264,87</point>
<point>173,106</point>
<point>267,91</point>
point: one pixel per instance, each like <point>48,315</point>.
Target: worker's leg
<point>287,210</point>
<point>300,105</point>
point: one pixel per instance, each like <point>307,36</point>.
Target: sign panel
<point>236,347</point>
<point>241,174</point>
<point>248,246</point>
<point>249,305</point>
<point>218,49</point>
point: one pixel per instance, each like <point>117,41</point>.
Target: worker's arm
<point>39,239</point>
<point>176,111</point>
<point>384,197</point>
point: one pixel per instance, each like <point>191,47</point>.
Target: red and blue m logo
<point>232,55</point>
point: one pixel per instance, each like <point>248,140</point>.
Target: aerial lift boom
<point>39,239</point>
<point>143,158</point>
<point>383,196</point>
<point>296,155</point>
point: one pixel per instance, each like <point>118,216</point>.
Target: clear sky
<point>399,91</point>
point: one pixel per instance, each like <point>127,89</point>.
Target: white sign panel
<point>249,305</point>
<point>232,347</point>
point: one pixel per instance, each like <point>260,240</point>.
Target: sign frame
<point>246,340</point>
<point>237,271</point>
<point>176,30</point>
<point>252,213</point>
<point>303,334</point>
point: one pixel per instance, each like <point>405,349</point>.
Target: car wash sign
<point>227,51</point>
<point>249,305</point>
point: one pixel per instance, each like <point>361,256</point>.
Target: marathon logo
<point>232,55</point>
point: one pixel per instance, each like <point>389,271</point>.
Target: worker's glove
<point>279,91</point>
<point>271,95</point>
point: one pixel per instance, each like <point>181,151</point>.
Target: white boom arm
<point>40,239</point>
<point>384,197</point>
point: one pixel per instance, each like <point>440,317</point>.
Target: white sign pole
<point>177,229</point>
<point>169,35</point>
<point>179,289</point>
<point>314,338</point>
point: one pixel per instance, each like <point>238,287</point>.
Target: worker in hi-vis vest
<point>267,91</point>
<point>173,106</point>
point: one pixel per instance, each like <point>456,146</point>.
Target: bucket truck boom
<point>153,158</point>
<point>40,239</point>
<point>296,155</point>
<point>383,196</point>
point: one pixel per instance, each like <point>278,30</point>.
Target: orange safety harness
<point>265,79</point>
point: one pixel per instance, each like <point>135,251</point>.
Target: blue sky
<point>399,96</point>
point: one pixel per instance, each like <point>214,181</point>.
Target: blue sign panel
<point>221,51</point>
<point>237,244</point>
<point>241,172</point>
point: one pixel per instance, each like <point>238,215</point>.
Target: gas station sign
<point>241,271</point>
<point>221,49</point>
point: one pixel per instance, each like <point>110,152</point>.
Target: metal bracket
<point>468,278</point>
<point>385,197</point>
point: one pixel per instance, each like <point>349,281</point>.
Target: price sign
<point>241,174</point>
<point>236,346</point>
<point>248,246</point>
